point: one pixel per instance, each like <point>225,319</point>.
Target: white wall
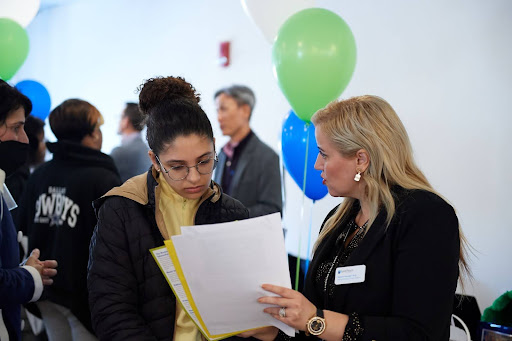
<point>444,66</point>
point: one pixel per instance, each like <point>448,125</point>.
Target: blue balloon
<point>293,142</point>
<point>39,97</point>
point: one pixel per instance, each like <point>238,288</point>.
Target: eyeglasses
<point>180,172</point>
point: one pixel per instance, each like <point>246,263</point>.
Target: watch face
<point>316,326</point>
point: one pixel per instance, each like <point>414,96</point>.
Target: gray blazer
<point>131,158</point>
<point>257,179</point>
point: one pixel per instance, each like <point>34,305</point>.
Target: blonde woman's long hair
<point>370,123</point>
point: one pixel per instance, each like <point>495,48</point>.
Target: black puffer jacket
<point>129,297</point>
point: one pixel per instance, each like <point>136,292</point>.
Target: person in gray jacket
<point>131,157</point>
<point>248,169</point>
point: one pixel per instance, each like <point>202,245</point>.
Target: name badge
<point>350,274</point>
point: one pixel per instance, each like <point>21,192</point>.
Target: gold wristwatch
<point>316,325</point>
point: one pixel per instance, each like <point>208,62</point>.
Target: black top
<point>324,277</point>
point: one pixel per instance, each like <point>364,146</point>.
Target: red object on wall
<point>224,54</point>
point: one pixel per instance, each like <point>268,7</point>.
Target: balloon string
<point>297,269</point>
<point>309,239</point>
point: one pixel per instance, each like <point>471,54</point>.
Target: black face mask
<point>13,155</point>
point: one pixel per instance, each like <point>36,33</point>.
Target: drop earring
<point>357,177</point>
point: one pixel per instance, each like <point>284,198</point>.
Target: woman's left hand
<point>297,308</point>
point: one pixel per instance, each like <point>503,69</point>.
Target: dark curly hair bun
<point>171,109</point>
<point>161,89</point>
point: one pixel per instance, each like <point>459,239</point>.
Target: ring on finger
<point>282,312</point>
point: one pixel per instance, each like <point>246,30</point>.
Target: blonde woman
<point>387,259</point>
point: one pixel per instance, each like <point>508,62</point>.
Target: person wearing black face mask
<point>18,284</point>
<point>13,154</point>
<point>13,141</point>
<point>17,181</point>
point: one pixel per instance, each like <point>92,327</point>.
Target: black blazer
<point>411,271</point>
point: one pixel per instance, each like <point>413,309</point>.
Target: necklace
<point>355,239</point>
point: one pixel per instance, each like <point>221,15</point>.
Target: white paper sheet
<point>225,266</point>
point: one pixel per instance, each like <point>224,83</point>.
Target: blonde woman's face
<point>337,171</point>
<point>187,151</point>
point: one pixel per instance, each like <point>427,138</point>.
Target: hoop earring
<point>357,177</point>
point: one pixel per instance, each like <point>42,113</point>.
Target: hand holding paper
<point>220,269</point>
<point>296,308</point>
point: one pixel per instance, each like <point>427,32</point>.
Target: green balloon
<point>314,57</point>
<point>13,47</point>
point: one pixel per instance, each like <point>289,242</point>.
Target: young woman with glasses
<point>129,297</point>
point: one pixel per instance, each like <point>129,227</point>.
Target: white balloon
<point>269,15</point>
<point>21,11</point>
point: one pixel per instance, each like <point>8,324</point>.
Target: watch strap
<point>320,313</point>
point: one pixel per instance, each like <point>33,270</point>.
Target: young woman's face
<point>187,151</point>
